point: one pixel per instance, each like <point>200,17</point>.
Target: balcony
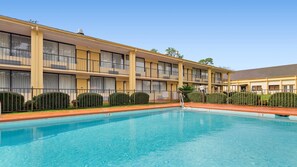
<point>86,65</point>
<point>17,57</point>
<point>156,73</point>
<point>200,79</point>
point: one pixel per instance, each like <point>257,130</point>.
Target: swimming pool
<point>161,137</point>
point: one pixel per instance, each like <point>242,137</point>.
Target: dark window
<point>273,87</point>
<point>257,88</point>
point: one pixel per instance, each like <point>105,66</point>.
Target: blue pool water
<point>164,137</point>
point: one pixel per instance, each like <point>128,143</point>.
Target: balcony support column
<point>209,81</point>
<point>36,58</point>
<point>229,81</point>
<point>180,74</point>
<point>132,70</point>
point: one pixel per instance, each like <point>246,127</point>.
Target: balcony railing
<point>79,64</point>
<point>197,78</point>
<point>18,57</point>
<point>156,73</point>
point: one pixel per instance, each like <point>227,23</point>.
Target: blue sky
<point>238,34</point>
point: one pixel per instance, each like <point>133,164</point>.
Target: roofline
<point>265,67</point>
<point>40,26</point>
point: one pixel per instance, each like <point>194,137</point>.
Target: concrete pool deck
<point>74,112</point>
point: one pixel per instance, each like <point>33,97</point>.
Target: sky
<point>238,34</point>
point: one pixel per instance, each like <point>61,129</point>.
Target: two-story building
<point>38,56</point>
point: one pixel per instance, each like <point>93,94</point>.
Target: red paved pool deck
<point>63,113</point>
<point>257,109</point>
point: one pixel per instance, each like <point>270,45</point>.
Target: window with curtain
<point>139,85</point>
<point>174,69</point>
<point>20,81</point>
<point>67,82</point>
<point>218,76</point>
<point>204,74</point>
<point>127,62</point>
<point>50,81</point>
<point>4,79</point>
<point>140,65</point>
<point>146,86</point>
<point>66,53</point>
<point>156,86</point>
<point>118,61</point>
<point>163,86</point>
<point>109,84</point>
<point>167,69</point>
<point>97,83</point>
<point>59,82</point>
<point>112,60</point>
<point>4,44</point>
<point>159,86</point>
<point>106,59</point>
<point>161,67</point>
<point>50,50</point>
<point>21,46</point>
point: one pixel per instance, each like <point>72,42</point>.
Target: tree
<point>206,61</point>
<point>154,50</point>
<point>173,52</point>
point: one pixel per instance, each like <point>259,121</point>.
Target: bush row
<point>11,102</point>
<point>284,99</point>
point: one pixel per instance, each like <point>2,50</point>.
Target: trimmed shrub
<point>117,99</point>
<point>283,99</point>
<point>186,89</point>
<point>52,100</point>
<point>139,98</point>
<point>245,98</point>
<point>196,97</point>
<point>89,100</point>
<point>217,98</point>
<point>29,104</point>
<point>11,101</point>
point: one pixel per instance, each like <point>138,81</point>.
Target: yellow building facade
<point>39,56</point>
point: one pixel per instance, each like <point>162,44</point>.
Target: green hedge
<point>89,100</point>
<point>196,97</point>
<point>52,100</point>
<point>117,99</point>
<point>284,99</point>
<point>139,98</point>
<point>217,98</point>
<point>245,98</point>
<point>11,101</point>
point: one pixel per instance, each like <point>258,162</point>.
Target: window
<point>118,61</point>
<point>111,60</point>
<point>174,69</point>
<point>273,87</point>
<point>109,84</point>
<point>59,82</point>
<point>204,74</point>
<point>159,86</point>
<point>140,64</point>
<point>4,44</point>
<point>50,50</point>
<point>20,46</point>
<point>218,77</point>
<point>257,88</point>
<point>102,83</point>
<point>167,68</point>
<point>288,88</point>
<point>143,85</point>
<point>15,45</point>
<point>97,83</point>
<point>57,51</point>
<point>4,79</point>
<point>18,81</point>
<point>196,73</point>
